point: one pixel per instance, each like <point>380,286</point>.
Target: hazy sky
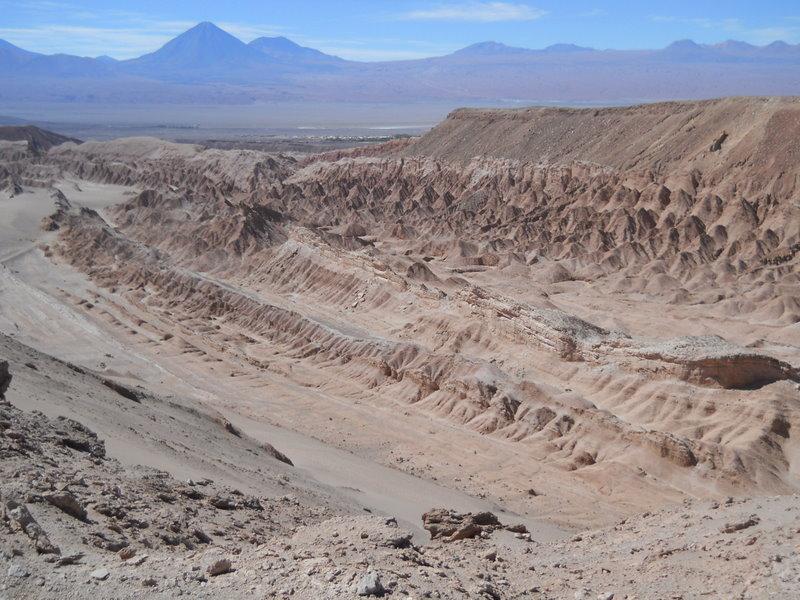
<point>379,30</point>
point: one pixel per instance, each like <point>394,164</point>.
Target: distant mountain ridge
<point>284,48</point>
<point>192,67</point>
<point>39,140</point>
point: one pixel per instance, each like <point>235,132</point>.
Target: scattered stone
<point>136,560</point>
<point>15,570</point>
<point>69,559</point>
<point>100,574</point>
<point>219,566</point>
<point>487,591</point>
<point>127,553</point>
<point>400,541</point>
<point>201,536</point>
<point>739,525</point>
<point>444,523</point>
<point>222,503</point>
<point>370,585</point>
<point>21,519</point>
<point>67,503</point>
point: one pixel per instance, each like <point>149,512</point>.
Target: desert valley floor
<point>570,337</point>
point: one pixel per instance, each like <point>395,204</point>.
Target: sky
<point>394,29</point>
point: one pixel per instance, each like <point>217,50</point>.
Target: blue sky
<point>383,29</point>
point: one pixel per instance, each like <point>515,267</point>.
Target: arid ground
<point>571,334</point>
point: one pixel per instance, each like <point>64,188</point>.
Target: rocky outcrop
<point>5,379</point>
<point>713,361</point>
<point>451,525</point>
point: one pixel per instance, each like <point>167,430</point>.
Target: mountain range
<point>208,65</point>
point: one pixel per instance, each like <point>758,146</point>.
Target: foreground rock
<point>452,526</point>
<point>68,503</point>
<point>145,531</point>
<point>370,585</point>
<point>219,566</point>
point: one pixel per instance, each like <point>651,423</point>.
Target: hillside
<point>753,141</point>
<point>39,140</point>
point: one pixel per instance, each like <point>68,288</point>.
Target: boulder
<point>468,531</point>
<point>15,570</point>
<point>100,574</point>
<point>67,503</point>
<point>127,553</point>
<point>20,518</point>
<point>449,524</point>
<point>219,566</point>
<point>370,585</point>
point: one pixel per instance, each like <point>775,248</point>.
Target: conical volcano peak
<point>204,45</point>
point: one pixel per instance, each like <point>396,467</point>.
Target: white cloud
<point>86,41</point>
<point>704,23</point>
<point>595,12</point>
<point>485,12</point>
<point>63,27</point>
